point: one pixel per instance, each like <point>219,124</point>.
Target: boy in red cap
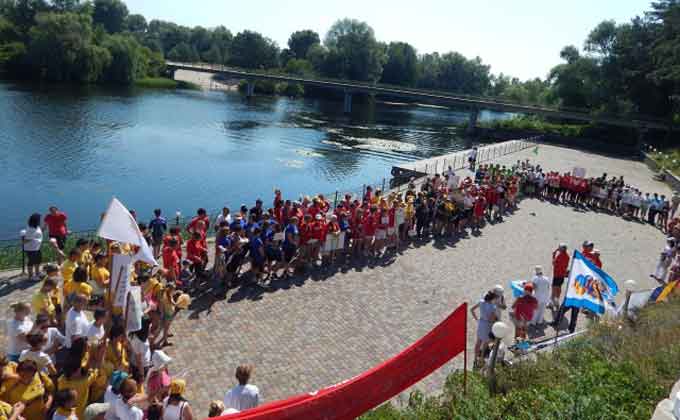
<point>523,312</point>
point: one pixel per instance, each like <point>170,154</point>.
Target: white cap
<point>498,289</point>
<point>159,359</point>
<point>563,245</point>
<point>538,269</point>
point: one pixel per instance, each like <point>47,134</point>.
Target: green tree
<point>299,68</point>
<point>61,48</point>
<point>183,53</point>
<point>300,42</point>
<point>136,24</point>
<point>66,5</point>
<point>354,52</point>
<point>213,55</point>
<point>401,67</point>
<point>252,50</point>
<point>128,61</point>
<point>110,14</point>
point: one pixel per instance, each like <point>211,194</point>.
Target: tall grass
<point>667,159</point>
<point>617,371</point>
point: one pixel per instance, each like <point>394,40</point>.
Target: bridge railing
<point>436,92</point>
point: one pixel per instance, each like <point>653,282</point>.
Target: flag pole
<point>127,308</point>
<point>560,313</point>
<point>465,354</point>
<point>115,290</point>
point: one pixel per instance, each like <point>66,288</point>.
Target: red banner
<point>351,398</point>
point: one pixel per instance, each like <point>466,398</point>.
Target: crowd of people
<point>69,354</point>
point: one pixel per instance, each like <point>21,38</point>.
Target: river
<point>76,147</point>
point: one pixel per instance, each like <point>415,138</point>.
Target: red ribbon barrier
<point>351,398</point>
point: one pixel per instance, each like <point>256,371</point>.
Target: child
<point>96,333</point>
<point>69,266</point>
<point>78,286</point>
<point>257,255</point>
<point>186,276</point>
<point>18,329</point>
<point>170,259</point>
<point>41,303</point>
<point>65,405</point>
<point>523,312</point>
<point>158,380</point>
<point>37,340</point>
<point>168,311</point>
<point>99,278</point>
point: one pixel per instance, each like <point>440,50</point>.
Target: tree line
<point>630,67</point>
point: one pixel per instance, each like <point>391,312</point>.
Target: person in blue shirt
<point>257,254</point>
<point>158,225</point>
<point>290,243</point>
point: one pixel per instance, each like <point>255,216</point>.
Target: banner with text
<point>353,397</point>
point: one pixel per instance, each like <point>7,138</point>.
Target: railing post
<point>426,169</point>
<point>383,186</point>
<point>363,193</point>
<point>335,200</point>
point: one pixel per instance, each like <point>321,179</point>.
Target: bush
<point>667,159</point>
<point>614,372</point>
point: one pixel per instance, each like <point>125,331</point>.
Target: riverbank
<point>165,83</point>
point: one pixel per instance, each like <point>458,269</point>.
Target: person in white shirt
<point>17,330</point>
<point>36,339</point>
<point>95,332</point>
<point>32,238</point>
<point>225,216</point>
<point>542,290</point>
<point>77,323</point>
<point>472,158</point>
<point>244,395</point>
<point>123,408</point>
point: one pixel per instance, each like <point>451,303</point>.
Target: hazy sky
<point>517,37</point>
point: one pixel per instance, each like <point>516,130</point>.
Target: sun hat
<point>538,269</point>
<point>95,410</point>
<point>183,301</point>
<point>177,386</point>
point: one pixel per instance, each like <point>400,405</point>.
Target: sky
<point>521,38</point>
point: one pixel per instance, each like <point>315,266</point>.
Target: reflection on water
<point>76,147</point>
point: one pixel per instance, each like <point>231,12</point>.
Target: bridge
<point>473,103</point>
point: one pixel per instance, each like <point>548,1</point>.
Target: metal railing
<point>13,257</point>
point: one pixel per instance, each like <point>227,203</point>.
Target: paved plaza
<point>318,330</point>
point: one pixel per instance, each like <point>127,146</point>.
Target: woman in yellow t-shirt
<point>32,388</point>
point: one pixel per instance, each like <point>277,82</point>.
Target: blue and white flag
<point>588,287</point>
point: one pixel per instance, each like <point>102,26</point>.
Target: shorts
<point>289,253</point>
<point>558,281</point>
<point>157,240</point>
<point>257,263</point>
<point>34,257</point>
<point>61,241</point>
<point>391,231</point>
<point>234,264</point>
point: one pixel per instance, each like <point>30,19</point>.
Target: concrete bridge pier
<point>472,122</point>
<point>347,109</point>
<point>250,89</point>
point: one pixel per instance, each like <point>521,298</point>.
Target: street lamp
<point>178,214</point>
<point>629,286</point>
<point>22,233</point>
<point>500,330</point>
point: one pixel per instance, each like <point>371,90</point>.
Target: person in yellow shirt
<point>78,286</point>
<point>79,379</point>
<point>67,269</point>
<point>41,303</point>
<point>32,388</point>
<point>99,276</point>
<point>8,412</point>
<point>65,405</point>
<point>85,259</point>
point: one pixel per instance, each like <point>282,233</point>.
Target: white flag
<point>119,225</point>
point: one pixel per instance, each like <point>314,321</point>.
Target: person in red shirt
<point>170,260</point>
<point>560,262</point>
<point>201,222</point>
<point>565,187</point>
<point>369,227</point>
<point>332,228</point>
<point>392,234</point>
<point>523,311</point>
<point>197,252</point>
<point>305,229</point>
<point>357,227</point>
<point>56,226</point>
<point>318,237</point>
<point>478,211</point>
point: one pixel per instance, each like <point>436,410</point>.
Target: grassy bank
<point>165,83</point>
<point>615,372</point>
<point>668,159</point>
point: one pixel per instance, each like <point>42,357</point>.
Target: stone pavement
<point>316,331</point>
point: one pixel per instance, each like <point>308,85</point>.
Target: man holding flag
<point>588,287</point>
